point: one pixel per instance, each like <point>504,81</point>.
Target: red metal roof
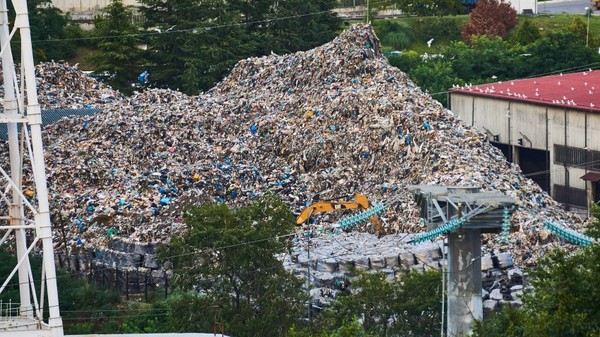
<point>580,91</point>
<point>591,176</point>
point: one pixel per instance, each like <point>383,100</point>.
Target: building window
<point>570,196</point>
<point>578,157</point>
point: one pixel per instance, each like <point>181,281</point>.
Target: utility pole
<point>308,281</point>
<point>587,35</point>
<point>30,230</point>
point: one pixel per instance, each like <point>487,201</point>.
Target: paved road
<point>565,6</point>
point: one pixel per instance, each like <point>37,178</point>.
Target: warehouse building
<point>79,6</point>
<point>548,125</point>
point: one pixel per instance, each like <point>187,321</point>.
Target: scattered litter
<point>332,121</point>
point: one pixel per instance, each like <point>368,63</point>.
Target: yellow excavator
<point>337,204</point>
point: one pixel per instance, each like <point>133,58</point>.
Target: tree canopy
<point>197,43</point>
<point>229,256</point>
<point>490,18</point>
<point>119,44</point>
<point>49,30</point>
<point>407,306</point>
<point>429,7</point>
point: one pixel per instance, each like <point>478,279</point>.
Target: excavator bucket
<point>321,206</point>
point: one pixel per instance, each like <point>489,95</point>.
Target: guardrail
<point>9,310</point>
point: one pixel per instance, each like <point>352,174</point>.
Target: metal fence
<point>9,309</point>
<point>50,116</point>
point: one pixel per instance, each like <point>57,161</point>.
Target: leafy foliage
<point>395,34</point>
<point>526,33</point>
<point>197,43</point>
<point>407,307</point>
<point>580,28</point>
<point>299,25</point>
<point>48,31</point>
<point>120,54</point>
<point>556,51</point>
<point>507,323</point>
<point>229,256</point>
<point>438,28</point>
<point>428,7</point>
<point>483,59</point>
<point>490,18</point>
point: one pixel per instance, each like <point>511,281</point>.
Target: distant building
<point>521,6</point>
<point>549,125</point>
<point>86,6</point>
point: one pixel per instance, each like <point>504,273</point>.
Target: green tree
<point>435,76</point>
<point>299,25</point>
<point>166,54</point>
<point>428,7</point>
<point>229,256</point>
<point>507,323</point>
<point>556,51</point>
<point>409,306</point>
<point>119,46</point>
<point>579,27</point>
<point>195,43</point>
<point>395,34</point>
<point>48,32</point>
<point>526,32</point>
<point>352,328</point>
<point>483,59</point>
<point>441,29</point>
<point>213,48</point>
<point>490,18</point>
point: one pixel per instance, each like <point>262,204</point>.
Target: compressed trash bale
<point>485,294</point>
<point>515,275</point>
<point>325,279</point>
<point>407,259</point>
<point>329,265</point>
<point>419,267</point>
<point>305,262</point>
<point>390,274</point>
<point>361,263</point>
<point>391,261</point>
<point>496,294</point>
<point>377,262</point>
<point>490,306</point>
<point>505,260</point>
<point>486,263</point>
<point>150,261</point>
<point>345,266</point>
<point>423,255</point>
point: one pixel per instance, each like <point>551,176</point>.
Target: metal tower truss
<point>24,209</point>
<point>463,213</point>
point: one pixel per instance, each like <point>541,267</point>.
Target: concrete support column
<point>464,281</point>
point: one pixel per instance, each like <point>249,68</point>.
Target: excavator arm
<point>322,206</point>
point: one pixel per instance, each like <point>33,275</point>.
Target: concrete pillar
<point>464,281</point>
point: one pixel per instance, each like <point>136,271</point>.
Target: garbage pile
<point>334,120</point>
<point>63,87</point>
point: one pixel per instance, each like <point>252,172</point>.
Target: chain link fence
<point>50,116</point>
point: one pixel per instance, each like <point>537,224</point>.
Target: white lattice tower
<point>25,216</point>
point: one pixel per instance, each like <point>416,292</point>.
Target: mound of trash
<point>335,120</point>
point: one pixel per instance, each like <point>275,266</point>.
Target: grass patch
<point>447,29</point>
<point>82,57</point>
